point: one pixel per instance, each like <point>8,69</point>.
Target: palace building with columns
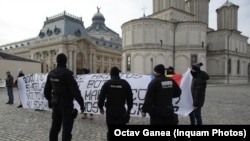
<point>65,33</point>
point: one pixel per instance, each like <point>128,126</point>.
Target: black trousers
<point>115,116</point>
<point>163,116</point>
<point>61,117</point>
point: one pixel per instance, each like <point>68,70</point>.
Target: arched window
<point>128,63</point>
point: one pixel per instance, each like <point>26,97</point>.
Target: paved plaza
<point>224,105</point>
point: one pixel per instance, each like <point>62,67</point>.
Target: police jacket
<point>160,92</point>
<point>198,88</point>
<point>61,82</point>
<point>117,92</point>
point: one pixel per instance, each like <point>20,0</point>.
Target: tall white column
<point>90,62</point>
<point>70,60</point>
<point>94,63</point>
<point>74,61</point>
<point>49,60</point>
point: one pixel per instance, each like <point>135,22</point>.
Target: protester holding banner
<point>170,73</point>
<point>158,99</point>
<point>170,70</point>
<point>9,85</point>
<point>117,92</point>
<point>20,74</point>
<point>60,90</point>
<point>85,115</point>
<point>198,89</point>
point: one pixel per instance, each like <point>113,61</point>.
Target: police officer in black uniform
<point>117,92</point>
<point>158,98</point>
<point>60,90</point>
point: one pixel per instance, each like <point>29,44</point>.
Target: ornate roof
<point>98,24</point>
<point>63,24</point>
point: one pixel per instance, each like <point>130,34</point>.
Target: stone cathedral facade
<point>177,34</point>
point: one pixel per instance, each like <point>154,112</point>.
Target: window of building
<point>128,60</point>
<point>193,59</point>
<point>105,70</point>
<point>229,66</point>
<point>98,70</point>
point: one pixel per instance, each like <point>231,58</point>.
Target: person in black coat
<point>158,98</point>
<point>198,89</point>
<point>117,92</point>
<point>60,90</point>
<point>9,85</point>
<point>170,70</point>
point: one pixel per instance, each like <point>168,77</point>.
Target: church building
<point>177,34</point>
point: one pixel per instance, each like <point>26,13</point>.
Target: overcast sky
<point>23,19</point>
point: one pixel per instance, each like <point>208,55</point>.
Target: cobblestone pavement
<point>225,105</point>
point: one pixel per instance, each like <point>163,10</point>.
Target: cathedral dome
<point>101,34</point>
<point>98,17</point>
<point>98,25</point>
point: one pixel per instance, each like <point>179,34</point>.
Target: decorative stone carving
<point>78,32</point>
<point>49,32</point>
<point>57,30</point>
<point>41,34</point>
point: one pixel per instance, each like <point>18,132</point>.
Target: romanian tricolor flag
<point>184,102</point>
<point>176,77</point>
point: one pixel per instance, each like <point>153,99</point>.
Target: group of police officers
<point>116,95</point>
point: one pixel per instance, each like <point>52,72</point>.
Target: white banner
<point>2,83</point>
<point>31,91</point>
